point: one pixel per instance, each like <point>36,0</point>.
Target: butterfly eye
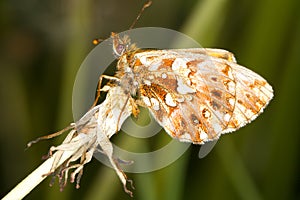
<point>120,49</point>
<point>119,44</point>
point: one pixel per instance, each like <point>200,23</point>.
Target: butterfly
<point>195,94</point>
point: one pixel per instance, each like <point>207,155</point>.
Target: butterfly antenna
<point>146,5</point>
<point>97,41</point>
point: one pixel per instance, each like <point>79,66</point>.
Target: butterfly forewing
<point>197,94</point>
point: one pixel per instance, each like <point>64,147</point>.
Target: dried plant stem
<point>92,130</point>
<point>36,177</point>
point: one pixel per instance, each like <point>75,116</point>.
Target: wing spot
<point>146,100</point>
<point>178,63</point>
<point>216,93</point>
<point>182,123</point>
<point>187,136</point>
<point>215,105</point>
<point>203,136</point>
<point>168,62</point>
<point>194,119</point>
<point>206,113</point>
<point>226,70</point>
<point>169,100</point>
<point>227,117</point>
<point>183,87</point>
<point>155,104</point>
<point>215,79</point>
<point>231,101</point>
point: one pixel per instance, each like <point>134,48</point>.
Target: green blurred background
<point>43,44</point>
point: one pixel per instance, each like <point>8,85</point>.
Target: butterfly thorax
<point>124,50</point>
<point>127,77</point>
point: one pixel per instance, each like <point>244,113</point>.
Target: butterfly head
<point>122,45</point>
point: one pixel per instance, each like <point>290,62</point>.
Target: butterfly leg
<point>99,89</point>
<point>135,108</point>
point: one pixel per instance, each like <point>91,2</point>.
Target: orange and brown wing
<point>197,96</point>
